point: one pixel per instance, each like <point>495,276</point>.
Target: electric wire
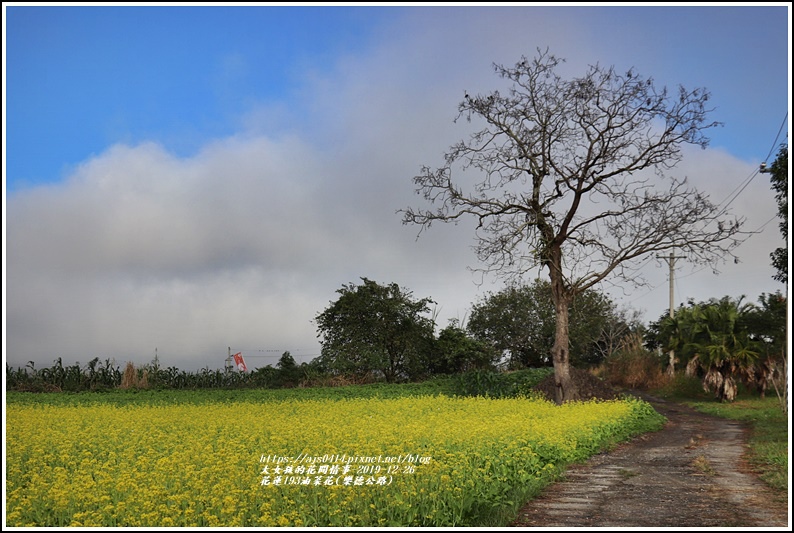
<point>774,144</point>
<point>742,186</point>
<point>729,199</point>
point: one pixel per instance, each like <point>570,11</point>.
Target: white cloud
<point>241,244</point>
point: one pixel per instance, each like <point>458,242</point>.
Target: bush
<point>632,366</point>
<point>500,384</point>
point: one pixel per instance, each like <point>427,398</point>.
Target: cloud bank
<point>241,244</point>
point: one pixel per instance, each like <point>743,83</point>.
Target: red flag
<point>240,362</point>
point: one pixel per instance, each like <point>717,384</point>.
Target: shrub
<point>493,384</point>
<point>129,378</point>
<point>632,366</point>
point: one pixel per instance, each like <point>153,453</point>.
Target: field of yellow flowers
<point>414,461</point>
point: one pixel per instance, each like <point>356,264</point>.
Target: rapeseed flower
<point>416,461</point>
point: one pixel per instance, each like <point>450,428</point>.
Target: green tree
<point>779,178</point>
<point>456,352</point>
<point>288,370</point>
<point>373,328</point>
<point>565,182</point>
<point>266,377</point>
<point>519,322</point>
<point>516,323</point>
<point>766,324</point>
<point>714,340</point>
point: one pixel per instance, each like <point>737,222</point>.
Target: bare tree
<point>559,182</point>
<point>618,325</point>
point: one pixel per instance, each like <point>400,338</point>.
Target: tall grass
<point>129,379</point>
<point>632,366</point>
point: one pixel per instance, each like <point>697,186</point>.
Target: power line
<point>742,186</point>
<point>729,199</point>
<point>701,269</point>
<point>762,226</point>
<point>774,144</point>
<point>275,357</point>
<point>642,265</point>
<point>274,350</point>
<point>646,293</point>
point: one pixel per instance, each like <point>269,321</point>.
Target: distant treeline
<point>104,376</point>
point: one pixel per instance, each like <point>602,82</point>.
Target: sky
<point>193,179</point>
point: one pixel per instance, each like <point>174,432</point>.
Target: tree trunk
<point>565,389</point>
<point>785,378</point>
<point>671,364</point>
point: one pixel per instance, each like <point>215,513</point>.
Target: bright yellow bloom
<point>418,461</point>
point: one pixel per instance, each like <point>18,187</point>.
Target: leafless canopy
<point>578,169</point>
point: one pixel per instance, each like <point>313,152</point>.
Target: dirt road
<point>692,473</point>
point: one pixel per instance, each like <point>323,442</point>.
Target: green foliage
<point>289,373</point>
<point>725,341</point>
<point>766,325</point>
<point>375,328</point>
<point>644,418</point>
<point>107,376</point>
<point>766,322</point>
<point>682,387</point>
<point>455,351</point>
<point>94,376</point>
<point>173,378</point>
<point>434,387</point>
<point>779,178</point>
<point>483,383</point>
<point>493,384</point>
<point>520,322</point>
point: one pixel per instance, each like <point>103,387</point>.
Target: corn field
<point>105,375</point>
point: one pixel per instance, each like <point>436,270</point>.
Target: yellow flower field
<point>416,461</point>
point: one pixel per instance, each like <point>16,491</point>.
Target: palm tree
<point>673,329</point>
<point>721,346</point>
<point>767,324</point>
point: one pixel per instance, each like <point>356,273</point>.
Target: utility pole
<point>671,263</point>
<point>228,361</point>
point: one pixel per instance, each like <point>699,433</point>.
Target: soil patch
<point>692,473</point>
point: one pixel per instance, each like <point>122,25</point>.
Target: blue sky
<point>178,76</point>
<point>193,178</point>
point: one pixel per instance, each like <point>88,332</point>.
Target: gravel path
<point>692,473</point>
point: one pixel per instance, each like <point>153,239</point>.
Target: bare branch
<point>552,149</point>
<point>572,178</point>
